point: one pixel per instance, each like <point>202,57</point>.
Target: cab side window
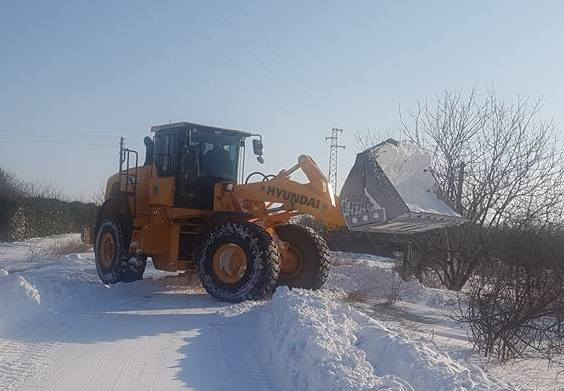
<point>166,153</point>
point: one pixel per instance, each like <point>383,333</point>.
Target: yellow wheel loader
<point>191,208</point>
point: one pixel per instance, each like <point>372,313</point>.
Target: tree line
<point>28,210</point>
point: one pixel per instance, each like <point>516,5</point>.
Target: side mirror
<point>257,149</point>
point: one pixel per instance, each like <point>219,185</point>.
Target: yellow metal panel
<point>313,198</point>
<point>142,193</point>
<point>160,242</point>
<point>161,191</point>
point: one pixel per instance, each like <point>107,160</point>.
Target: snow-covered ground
<point>61,329</point>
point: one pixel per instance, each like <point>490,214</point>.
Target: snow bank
<point>312,345</point>
<point>405,165</point>
<point>316,343</point>
<point>50,269</point>
<point>422,367</point>
<point>19,300</point>
<point>376,277</point>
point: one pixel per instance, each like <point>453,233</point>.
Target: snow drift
<point>313,348</point>
<point>317,343</point>
<point>19,302</point>
<point>375,277</point>
<point>418,365</point>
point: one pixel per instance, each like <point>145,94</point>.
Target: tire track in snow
<point>152,335</point>
<point>20,362</point>
<point>232,344</point>
<point>113,350</point>
<point>23,357</point>
<point>155,339</point>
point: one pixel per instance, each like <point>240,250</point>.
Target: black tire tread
<point>268,253</point>
<point>132,268</point>
<point>320,274</point>
<point>129,268</point>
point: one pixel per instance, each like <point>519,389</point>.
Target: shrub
<point>514,311</point>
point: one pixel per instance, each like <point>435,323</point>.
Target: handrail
<point>129,180</point>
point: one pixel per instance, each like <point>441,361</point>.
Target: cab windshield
<point>218,154</point>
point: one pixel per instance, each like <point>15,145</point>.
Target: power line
<point>267,42</point>
<point>262,62</point>
<point>281,59</point>
<point>219,47</point>
<point>53,141</point>
<point>206,35</point>
<point>43,134</point>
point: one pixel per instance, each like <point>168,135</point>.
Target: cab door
<point>166,155</point>
<point>187,183</point>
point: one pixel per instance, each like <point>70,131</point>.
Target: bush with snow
<point>375,276</point>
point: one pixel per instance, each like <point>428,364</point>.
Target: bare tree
<point>451,255</point>
<point>496,163</point>
<point>371,137</point>
<point>46,191</point>
<point>448,127</point>
<point>99,196</point>
<point>10,185</point>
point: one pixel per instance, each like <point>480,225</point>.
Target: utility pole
<point>121,152</point>
<point>333,152</point>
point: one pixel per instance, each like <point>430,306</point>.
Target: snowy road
<point>61,329</point>
<point>155,341</point>
<point>150,335</point>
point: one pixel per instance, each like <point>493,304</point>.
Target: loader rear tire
<point>306,262</point>
<point>112,261</point>
<point>238,261</point>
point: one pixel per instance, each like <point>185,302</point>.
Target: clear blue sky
<point>90,71</point>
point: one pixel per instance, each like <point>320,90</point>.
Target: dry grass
<point>394,294</point>
<point>34,253</point>
<point>358,296</point>
<point>68,247</point>
<point>56,249</point>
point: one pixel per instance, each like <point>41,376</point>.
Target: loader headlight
<point>229,187</point>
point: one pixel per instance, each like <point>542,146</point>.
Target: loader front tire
<point>112,261</point>
<point>306,261</point>
<point>238,261</point>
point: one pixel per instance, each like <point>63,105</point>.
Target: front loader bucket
<point>390,189</point>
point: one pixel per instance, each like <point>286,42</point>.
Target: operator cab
<point>198,156</point>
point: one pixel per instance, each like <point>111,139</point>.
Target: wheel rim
<point>107,249</point>
<point>229,263</point>
<point>291,263</point>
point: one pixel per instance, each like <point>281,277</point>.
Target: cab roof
<point>190,125</point>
